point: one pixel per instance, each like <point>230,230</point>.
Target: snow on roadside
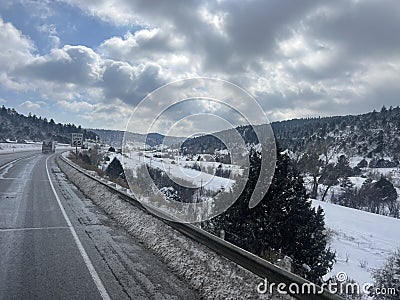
<point>362,240</point>
<point>212,275</point>
<point>6,148</point>
<point>13,147</point>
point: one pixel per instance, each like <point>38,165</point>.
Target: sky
<point>92,62</point>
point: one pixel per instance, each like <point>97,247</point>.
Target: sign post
<point>77,141</point>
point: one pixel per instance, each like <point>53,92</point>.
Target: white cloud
<point>76,106</point>
<point>15,49</point>
<point>30,105</point>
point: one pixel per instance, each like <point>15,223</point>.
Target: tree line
<point>15,126</point>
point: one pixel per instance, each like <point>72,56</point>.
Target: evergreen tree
<point>283,222</point>
<point>388,277</point>
<point>385,194</point>
<point>379,197</point>
<point>115,169</point>
<point>329,178</point>
<point>365,194</point>
<point>362,164</point>
<point>348,195</point>
<point>343,167</point>
<point>310,163</point>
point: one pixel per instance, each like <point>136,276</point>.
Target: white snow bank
<point>13,147</point>
<point>362,240</point>
<point>6,148</point>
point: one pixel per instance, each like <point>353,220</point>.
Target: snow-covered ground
<point>362,241</point>
<point>14,147</point>
<point>179,167</point>
<point>6,148</point>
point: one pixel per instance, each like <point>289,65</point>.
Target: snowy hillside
<point>181,167</point>
<point>362,240</point>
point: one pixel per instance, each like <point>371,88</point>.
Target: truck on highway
<point>48,146</point>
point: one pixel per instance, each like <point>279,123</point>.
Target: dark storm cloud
<point>129,84</point>
<point>361,28</point>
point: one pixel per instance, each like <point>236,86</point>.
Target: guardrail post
<point>285,263</point>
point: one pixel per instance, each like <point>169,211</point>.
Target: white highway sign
<point>77,139</point>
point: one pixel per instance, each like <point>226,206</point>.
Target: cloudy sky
<point>90,62</point>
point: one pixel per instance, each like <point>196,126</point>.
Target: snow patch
<point>362,240</point>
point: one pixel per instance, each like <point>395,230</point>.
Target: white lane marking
<point>10,164</point>
<point>89,265</point>
<point>7,167</point>
<point>32,228</point>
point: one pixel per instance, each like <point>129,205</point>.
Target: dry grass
<point>71,156</point>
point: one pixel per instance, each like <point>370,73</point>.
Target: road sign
<point>77,140</point>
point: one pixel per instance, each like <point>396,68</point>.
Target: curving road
<point>55,244</point>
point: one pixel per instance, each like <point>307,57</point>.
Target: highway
<point>56,244</point>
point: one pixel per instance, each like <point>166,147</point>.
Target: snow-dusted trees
<point>378,197</point>
<point>333,172</point>
<point>282,223</point>
<point>348,196</point>
<point>115,169</point>
<point>16,126</point>
<point>387,278</point>
<point>310,163</point>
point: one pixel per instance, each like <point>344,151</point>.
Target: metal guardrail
<point>247,260</point>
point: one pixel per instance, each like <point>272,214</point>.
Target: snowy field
<point>178,167</point>
<point>13,147</point>
<point>362,240</point>
<point>6,148</point>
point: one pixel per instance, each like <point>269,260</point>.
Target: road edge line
<point>99,284</point>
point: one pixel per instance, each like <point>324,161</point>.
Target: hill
<point>375,134</point>
<point>17,127</point>
<point>115,138</point>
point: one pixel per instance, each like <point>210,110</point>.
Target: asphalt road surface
<point>56,244</point>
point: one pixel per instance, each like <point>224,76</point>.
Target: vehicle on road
<point>48,146</point>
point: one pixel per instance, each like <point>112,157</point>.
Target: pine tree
<point>362,164</point>
<point>343,167</point>
<point>388,277</point>
<point>310,163</point>
<point>283,222</point>
<point>329,178</point>
<point>385,194</point>
<point>365,195</point>
<point>115,169</point>
<point>348,195</point>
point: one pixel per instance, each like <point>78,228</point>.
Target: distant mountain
<point>111,137</point>
<point>115,138</point>
<point>15,126</point>
<point>375,134</point>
